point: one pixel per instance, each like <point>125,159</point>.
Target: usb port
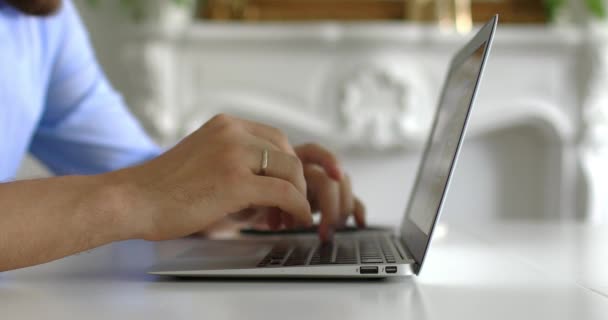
<point>368,270</point>
<point>391,269</point>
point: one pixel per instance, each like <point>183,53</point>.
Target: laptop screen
<point>443,144</point>
<point>435,168</point>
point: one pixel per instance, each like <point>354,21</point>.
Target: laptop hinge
<point>404,251</point>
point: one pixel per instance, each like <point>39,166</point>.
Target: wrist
<point>116,197</point>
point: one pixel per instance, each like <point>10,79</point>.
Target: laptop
<point>365,253</point>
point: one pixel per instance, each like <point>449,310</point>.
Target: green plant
<point>137,9</point>
<point>553,7</point>
<point>595,7</point>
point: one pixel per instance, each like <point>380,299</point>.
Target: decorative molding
<point>372,33</point>
<point>386,105</point>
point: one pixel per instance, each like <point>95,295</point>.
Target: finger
<point>245,215</point>
<point>273,192</point>
<point>314,153</point>
<point>270,134</point>
<point>273,218</point>
<point>287,220</point>
<point>279,165</point>
<point>312,199</point>
<point>359,213</point>
<point>347,200</point>
<point>327,193</point>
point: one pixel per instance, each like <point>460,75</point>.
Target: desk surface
<point>573,250</point>
<point>496,273</point>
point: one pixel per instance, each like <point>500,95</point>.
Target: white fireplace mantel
<point>337,57</point>
<point>372,88</point>
<point>305,69</point>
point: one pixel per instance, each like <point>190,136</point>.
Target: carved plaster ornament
<point>386,106</point>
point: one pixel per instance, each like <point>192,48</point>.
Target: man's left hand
<point>329,192</point>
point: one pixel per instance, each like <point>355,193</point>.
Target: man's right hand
<point>212,173</point>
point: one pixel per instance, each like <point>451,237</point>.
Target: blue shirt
<point>56,102</point>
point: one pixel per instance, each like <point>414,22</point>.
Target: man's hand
<point>212,173</point>
<point>329,192</point>
<point>215,174</point>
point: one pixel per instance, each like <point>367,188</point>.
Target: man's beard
<point>36,7</point>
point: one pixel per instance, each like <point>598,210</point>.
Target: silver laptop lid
<point>443,145</point>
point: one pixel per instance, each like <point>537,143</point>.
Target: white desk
<point>576,251</point>
<point>466,277</point>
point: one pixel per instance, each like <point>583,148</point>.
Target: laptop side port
<point>390,269</point>
<point>368,270</point>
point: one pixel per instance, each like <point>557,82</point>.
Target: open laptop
<point>362,253</point>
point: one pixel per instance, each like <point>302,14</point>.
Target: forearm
<point>46,219</point>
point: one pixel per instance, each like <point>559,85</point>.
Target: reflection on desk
<point>464,278</point>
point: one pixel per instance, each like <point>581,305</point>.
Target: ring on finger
<point>264,164</point>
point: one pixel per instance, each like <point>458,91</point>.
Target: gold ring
<point>264,165</point>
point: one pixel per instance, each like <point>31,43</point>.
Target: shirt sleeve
<point>86,127</point>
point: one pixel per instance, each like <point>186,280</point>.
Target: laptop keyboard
<point>372,250</point>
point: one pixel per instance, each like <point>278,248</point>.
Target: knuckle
<point>221,118</point>
<point>329,186</point>
<point>313,147</point>
<point>226,124</point>
<point>319,175</point>
<point>296,164</point>
<point>322,151</point>
<point>279,135</point>
<point>284,188</point>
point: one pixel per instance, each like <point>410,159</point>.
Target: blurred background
<point>363,77</point>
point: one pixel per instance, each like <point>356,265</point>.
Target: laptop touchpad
<point>227,248</point>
